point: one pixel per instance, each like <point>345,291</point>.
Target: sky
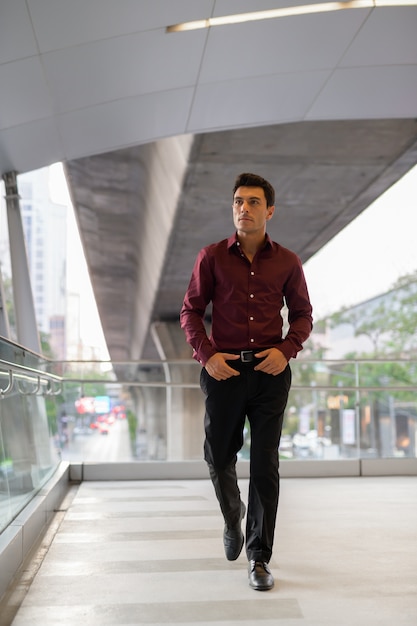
<point>367,257</point>
<point>362,261</point>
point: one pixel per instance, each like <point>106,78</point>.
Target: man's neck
<point>250,244</point>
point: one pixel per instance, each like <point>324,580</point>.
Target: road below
<point>91,445</point>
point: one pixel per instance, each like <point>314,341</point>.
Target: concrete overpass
<point>153,127</point>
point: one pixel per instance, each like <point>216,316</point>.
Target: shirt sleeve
<point>299,312</point>
<point>196,300</point>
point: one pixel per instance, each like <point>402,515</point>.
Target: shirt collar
<point>233,240</point>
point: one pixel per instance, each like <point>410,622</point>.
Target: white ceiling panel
<point>37,143</point>
<point>63,24</point>
<point>228,104</point>
<point>130,122</point>
<point>122,67</point>
<point>24,93</point>
<point>313,42</point>
<point>17,40</point>
<point>59,57</point>
<point>368,93</point>
<point>388,37</point>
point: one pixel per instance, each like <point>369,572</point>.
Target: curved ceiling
<point>86,77</point>
<point>153,127</point>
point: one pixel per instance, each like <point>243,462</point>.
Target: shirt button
<point>251,318</point>
<point>252,340</point>
<point>252,273</point>
<point>251,295</point>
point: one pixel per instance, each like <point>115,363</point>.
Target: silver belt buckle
<point>246,356</point>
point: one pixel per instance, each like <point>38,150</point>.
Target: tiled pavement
<point>150,552</point>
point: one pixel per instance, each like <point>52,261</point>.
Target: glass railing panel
<point>154,411</point>
<point>331,413</point>
<point>364,409</point>
<point>146,411</point>
<point>388,423</point>
<point>28,456</point>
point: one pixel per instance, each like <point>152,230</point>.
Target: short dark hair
<point>253,180</point>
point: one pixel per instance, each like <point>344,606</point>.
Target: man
<point>245,371</point>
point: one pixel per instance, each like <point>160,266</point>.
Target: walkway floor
<point>151,553</point>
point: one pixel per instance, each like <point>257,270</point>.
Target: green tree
<point>403,340</point>
<point>372,322</point>
<point>8,295</point>
<point>389,322</point>
<point>46,346</point>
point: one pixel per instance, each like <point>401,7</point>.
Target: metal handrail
<point>52,384</point>
<point>22,373</point>
<point>29,393</point>
<point>161,384</point>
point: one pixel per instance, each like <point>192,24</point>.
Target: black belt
<point>247,356</point>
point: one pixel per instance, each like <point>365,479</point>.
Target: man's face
<point>250,210</point>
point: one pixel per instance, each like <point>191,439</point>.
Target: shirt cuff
<point>287,350</point>
<point>202,356</point>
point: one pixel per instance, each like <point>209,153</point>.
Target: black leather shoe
<point>233,538</point>
<point>260,577</point>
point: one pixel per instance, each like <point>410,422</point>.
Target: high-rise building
<point>44,225</point>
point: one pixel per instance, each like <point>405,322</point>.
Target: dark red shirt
<point>247,299</point>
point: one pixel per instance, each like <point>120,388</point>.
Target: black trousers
<point>262,398</point>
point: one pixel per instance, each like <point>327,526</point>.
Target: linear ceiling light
<point>305,9</point>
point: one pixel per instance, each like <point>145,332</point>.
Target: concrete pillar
<point>184,406</point>
<point>26,326</point>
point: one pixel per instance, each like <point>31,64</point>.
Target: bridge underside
<point>144,212</point>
